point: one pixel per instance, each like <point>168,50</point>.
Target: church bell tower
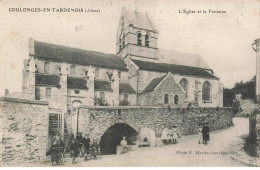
<point>136,36</point>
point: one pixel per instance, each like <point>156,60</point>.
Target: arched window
<point>147,40</point>
<point>102,96</point>
<point>76,103</point>
<point>166,99</point>
<point>48,92</point>
<point>125,96</point>
<point>46,67</point>
<point>139,39</point>
<point>72,70</point>
<point>176,99</point>
<point>97,73</point>
<point>185,85</point>
<point>206,91</point>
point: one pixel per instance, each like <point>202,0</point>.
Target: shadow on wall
<point>113,136</point>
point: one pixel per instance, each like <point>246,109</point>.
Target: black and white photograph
<point>129,83</point>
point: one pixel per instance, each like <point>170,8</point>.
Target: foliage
<point>247,89</point>
<point>124,103</point>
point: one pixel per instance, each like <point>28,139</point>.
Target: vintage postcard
<point>129,83</point>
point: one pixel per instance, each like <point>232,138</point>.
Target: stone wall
<point>96,120</point>
<point>167,86</point>
<point>24,131</point>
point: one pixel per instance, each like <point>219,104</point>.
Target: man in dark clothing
<point>79,139</point>
<point>86,144</point>
<point>75,150</point>
<point>205,133</point>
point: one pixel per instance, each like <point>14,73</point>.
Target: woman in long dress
<point>165,135</point>
<point>175,134</point>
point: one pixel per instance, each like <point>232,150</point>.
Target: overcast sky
<point>222,40</point>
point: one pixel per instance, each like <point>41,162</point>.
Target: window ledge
<point>204,101</point>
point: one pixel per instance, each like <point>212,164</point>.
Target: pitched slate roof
<point>181,58</point>
<point>139,19</point>
<point>126,88</point>
<point>47,79</point>
<point>175,69</point>
<point>154,83</point>
<point>77,56</point>
<point>101,85</point>
<point>76,83</point>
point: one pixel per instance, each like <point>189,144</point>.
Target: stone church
<point>60,80</point>
<point>135,75</point>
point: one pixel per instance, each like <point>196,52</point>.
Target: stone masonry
<point>96,120</point>
<point>24,131</point>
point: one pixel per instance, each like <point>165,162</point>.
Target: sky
<point>222,40</point>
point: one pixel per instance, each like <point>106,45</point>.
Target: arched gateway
<point>114,134</point>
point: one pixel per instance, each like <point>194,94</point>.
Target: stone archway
<point>114,134</point>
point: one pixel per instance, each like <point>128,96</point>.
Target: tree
<point>247,89</point>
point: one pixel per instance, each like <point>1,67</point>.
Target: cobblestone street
<point>186,153</point>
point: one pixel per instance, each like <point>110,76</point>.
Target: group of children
<point>170,135</point>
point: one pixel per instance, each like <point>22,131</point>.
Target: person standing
<point>123,143</point>
<point>205,133</point>
<point>86,144</point>
<point>79,139</point>
<point>165,135</point>
<point>75,150</point>
<point>200,133</point>
<point>175,134</point>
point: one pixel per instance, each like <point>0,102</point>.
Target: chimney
<point>6,91</point>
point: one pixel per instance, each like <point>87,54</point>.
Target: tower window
<point>166,99</point>
<point>139,39</point>
<point>147,40</point>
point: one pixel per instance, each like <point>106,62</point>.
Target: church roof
<point>139,19</point>
<point>76,83</point>
<point>47,79</point>
<point>126,88</point>
<point>181,58</point>
<point>174,69</point>
<point>77,56</point>
<point>154,83</point>
<point>101,85</point>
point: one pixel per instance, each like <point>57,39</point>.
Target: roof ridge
<point>169,64</point>
<point>73,48</point>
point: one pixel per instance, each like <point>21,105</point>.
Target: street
<point>187,152</point>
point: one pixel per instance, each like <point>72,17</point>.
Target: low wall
<point>24,131</point>
<point>96,120</point>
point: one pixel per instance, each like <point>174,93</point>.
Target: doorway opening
<point>113,136</point>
